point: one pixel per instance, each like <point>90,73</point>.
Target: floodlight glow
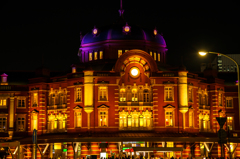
<point>202,53</point>
<point>134,72</point>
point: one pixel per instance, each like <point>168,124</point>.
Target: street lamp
<point>204,53</point>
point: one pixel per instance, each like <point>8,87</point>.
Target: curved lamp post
<point>204,53</point>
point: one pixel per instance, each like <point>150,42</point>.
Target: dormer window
<point>155,31</point>
<point>126,28</point>
<point>95,31</point>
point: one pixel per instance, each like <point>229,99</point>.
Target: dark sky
<point>28,30</point>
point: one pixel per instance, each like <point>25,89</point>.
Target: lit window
<point>20,124</point>
<point>168,93</point>
<point>3,102</point>
<point>190,95</point>
<point>129,121</point>
<point>169,118</point>
<point>78,119</point>
<point>102,91</point>
<point>206,99</point>
<point>126,50</point>
<point>155,56</point>
<point>95,56</point>
<point>35,100</point>
<point>101,55</point>
<point>229,102</point>
<point>119,53</point>
<point>3,124</point>
<point>155,31</point>
<point>103,119</point>
<point>122,95</point>
<point>191,119</point>
<point>57,123</point>
<point>95,31</point>
<point>230,122</point>
<point>34,121</point>
<point>103,116</point>
<point>134,95</point>
<point>126,28</point>
<point>90,56</point>
<point>150,53</point>
<point>78,94</point>
<point>159,56</point>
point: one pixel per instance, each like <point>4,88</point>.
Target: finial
<point>121,10</point>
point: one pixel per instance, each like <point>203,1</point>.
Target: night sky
<point>30,30</point>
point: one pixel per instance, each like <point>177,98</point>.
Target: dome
<point>115,32</point>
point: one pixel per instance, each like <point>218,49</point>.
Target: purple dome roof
<point>115,32</point>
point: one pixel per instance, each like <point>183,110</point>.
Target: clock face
<point>134,72</point>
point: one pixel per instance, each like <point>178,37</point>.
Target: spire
<point>121,10</point>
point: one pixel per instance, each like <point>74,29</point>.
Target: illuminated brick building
<point>120,98</point>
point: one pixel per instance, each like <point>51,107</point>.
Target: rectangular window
<point>101,55</point>
<point>159,56</point>
<point>155,56</point>
<point>150,53</point>
<point>191,119</point>
<point>21,103</point>
<point>3,124</point>
<point>34,122</point>
<point>78,94</point>
<point>90,56</point>
<point>20,124</point>
<point>122,97</point>
<point>229,102</point>
<point>230,122</point>
<point>103,93</point>
<point>170,154</point>
<point>220,98</point>
<point>119,53</point>
<point>169,118</point>
<point>168,93</point>
<point>134,95</point>
<point>190,95</point>
<point>95,56</point>
<point>3,102</point>
<point>103,119</point>
<point>35,100</point>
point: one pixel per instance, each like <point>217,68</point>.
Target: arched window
<point>122,95</point>
<point>134,95</point>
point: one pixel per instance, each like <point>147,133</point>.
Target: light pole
<point>204,53</point>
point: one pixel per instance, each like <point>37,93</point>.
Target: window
<point>146,95</point>
<point>190,95</point>
<point>119,53</point>
<point>78,119</point>
<point>200,99</point>
<point>34,121</point>
<point>206,99</point>
<point>134,95</point>
<point>103,119</point>
<point>150,53</point>
<point>169,118</point>
<point>20,123</point>
<point>3,102</point>
<point>34,99</point>
<point>122,95</point>
<point>90,56</point>
<point>204,123</point>
<point>126,50</point>
<point>191,118</point>
<point>168,93</point>
<point>3,124</point>
<point>159,55</point>
<point>78,94</point>
<point>101,55</point>
<point>21,103</point>
<point>57,123</point>
<point>230,122</point>
<point>155,56</point>
<point>220,98</point>
<point>103,116</point>
<point>102,93</point>
<point>95,56</point>
<point>229,102</point>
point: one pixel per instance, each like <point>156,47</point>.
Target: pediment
<point>103,106</point>
<point>78,107</point>
<point>34,111</point>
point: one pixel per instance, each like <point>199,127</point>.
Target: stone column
<point>88,94</point>
<point>183,94</point>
